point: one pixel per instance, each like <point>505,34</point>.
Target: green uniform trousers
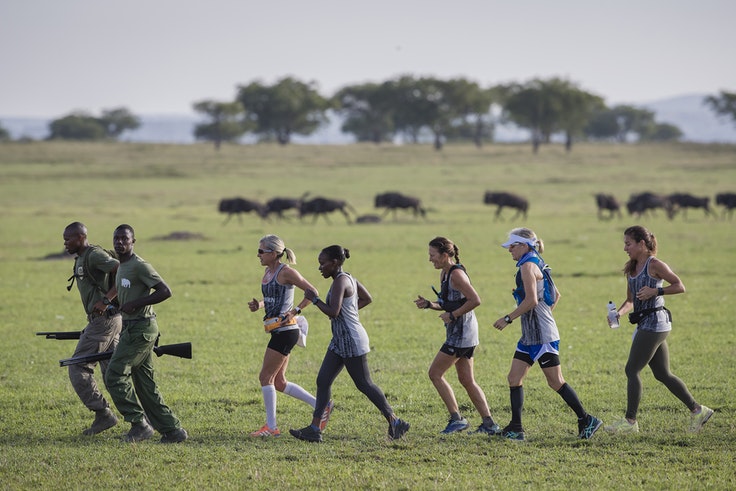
<point>129,377</point>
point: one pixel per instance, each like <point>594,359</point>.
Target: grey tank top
<point>656,321</point>
<point>349,337</point>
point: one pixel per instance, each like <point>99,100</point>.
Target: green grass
<point>162,189</point>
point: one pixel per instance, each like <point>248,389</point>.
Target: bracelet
<point>660,291</point>
<point>315,300</point>
<point>452,317</point>
<point>298,310</point>
<point>507,319</point>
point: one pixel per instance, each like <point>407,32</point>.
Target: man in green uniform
<point>92,265</point>
<point>129,376</point>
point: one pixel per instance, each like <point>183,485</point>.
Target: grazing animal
<point>368,219</point>
<point>393,201</point>
<point>640,204</point>
<point>236,206</point>
<point>279,205</point>
<point>683,201</point>
<point>322,206</point>
<point>507,199</point>
<point>728,201</point>
<point>609,203</point>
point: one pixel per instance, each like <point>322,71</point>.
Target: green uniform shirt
<point>134,280</point>
<point>90,283</point>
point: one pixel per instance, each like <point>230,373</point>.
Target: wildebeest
<point>507,199</point>
<point>236,206</point>
<point>609,203</point>
<point>393,200</point>
<point>639,204</point>
<point>368,219</point>
<point>279,205</point>
<point>322,206</point>
<point>728,201</point>
<point>683,201</point>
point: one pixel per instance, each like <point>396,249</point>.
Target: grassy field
<point>161,189</point>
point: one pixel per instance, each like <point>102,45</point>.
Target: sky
<point>158,57</point>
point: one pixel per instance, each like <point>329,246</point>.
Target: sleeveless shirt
<point>656,321</point>
<point>277,299</point>
<point>349,337</point>
<point>538,326</point>
<point>463,331</point>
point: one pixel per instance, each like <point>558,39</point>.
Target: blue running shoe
<point>455,425</point>
<point>509,434</point>
<point>488,430</point>
<point>588,427</point>
<point>398,429</point>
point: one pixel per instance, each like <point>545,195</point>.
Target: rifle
<point>60,335</point>
<point>182,350</point>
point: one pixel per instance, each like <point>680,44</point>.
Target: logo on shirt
<point>125,282</point>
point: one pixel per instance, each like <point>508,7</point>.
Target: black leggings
<point>651,348</point>
<point>357,368</point>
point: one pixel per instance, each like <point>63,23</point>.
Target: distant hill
<point>687,112</point>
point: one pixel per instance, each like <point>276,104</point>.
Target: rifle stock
<point>60,335</point>
<point>181,350</point>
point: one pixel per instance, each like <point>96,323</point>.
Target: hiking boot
<point>623,426</point>
<point>326,415</point>
<point>266,431</point>
<point>398,429</point>
<point>456,425</point>
<point>588,427</point>
<point>104,419</point>
<point>698,420</point>
<point>138,432</point>
<point>308,434</point>
<point>494,429</point>
<point>176,436</point>
<point>513,435</point>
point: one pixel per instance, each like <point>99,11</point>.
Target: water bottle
<point>612,315</point>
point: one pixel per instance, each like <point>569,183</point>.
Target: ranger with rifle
<point>93,268</point>
<point>129,376</point>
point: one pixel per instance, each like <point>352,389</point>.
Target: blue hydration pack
<point>550,291</point>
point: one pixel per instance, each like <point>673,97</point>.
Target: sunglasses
<point>264,251</point>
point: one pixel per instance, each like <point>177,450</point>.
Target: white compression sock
<point>269,399</point>
<point>298,392</point>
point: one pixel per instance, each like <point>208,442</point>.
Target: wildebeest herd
<point>639,204</point>
<point>646,203</point>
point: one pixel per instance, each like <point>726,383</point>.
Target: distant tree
<point>470,110</point>
<point>77,126</point>
<point>116,121</point>
<point>632,119</point>
<point>224,125</point>
<point>724,104</point>
<point>536,106</point>
<point>662,132</point>
<point>577,108</point>
<point>4,134</point>
<point>289,107</point>
<point>367,111</point>
<point>602,125</point>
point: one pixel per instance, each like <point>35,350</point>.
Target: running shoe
<point>623,426</point>
<point>588,427</point>
<point>513,435</point>
<point>398,429</point>
<point>456,425</point>
<point>266,431</point>
<point>326,415</point>
<point>488,430</point>
<point>698,420</point>
<point>307,434</point>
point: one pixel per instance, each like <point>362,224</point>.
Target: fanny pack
<point>275,322</point>
<point>636,317</point>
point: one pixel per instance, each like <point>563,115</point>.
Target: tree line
<point>406,107</point>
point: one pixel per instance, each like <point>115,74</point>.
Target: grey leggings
<point>650,348</point>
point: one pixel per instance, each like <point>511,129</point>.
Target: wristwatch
<point>298,310</point>
<point>507,319</point>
